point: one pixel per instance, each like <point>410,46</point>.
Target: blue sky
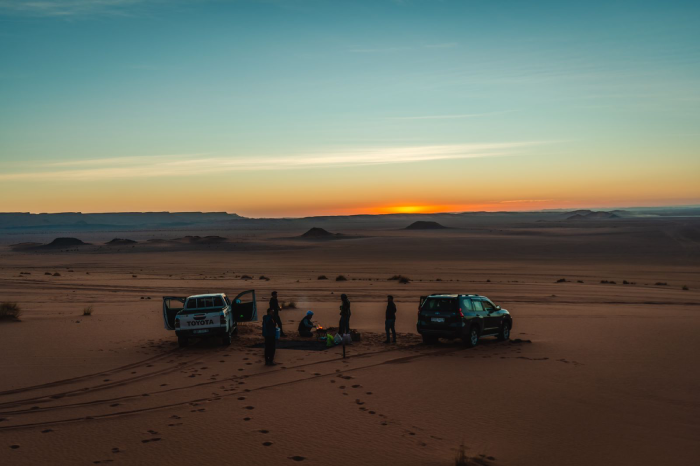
<point>347,105</point>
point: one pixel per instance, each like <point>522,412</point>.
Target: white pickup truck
<point>206,315</point>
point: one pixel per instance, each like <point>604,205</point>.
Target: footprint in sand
<point>267,444</point>
<point>297,458</point>
<point>241,398</point>
<point>148,440</point>
<point>369,393</point>
<point>356,386</point>
<point>116,450</point>
<point>46,431</point>
<point>342,387</point>
<point>263,431</point>
<point>14,447</point>
<point>175,424</point>
<point>246,419</point>
<point>250,407</point>
<point>114,405</point>
<point>175,416</point>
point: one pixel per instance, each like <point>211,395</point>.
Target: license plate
<point>437,319</point>
<point>201,331</point>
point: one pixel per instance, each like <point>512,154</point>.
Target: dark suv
<point>465,316</point>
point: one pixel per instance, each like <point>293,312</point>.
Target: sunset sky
<point>312,107</point>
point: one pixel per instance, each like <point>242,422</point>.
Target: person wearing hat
<point>306,325</point>
<point>275,306</point>
<point>344,326</point>
<point>390,319</point>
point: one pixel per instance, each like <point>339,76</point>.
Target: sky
<point>286,108</point>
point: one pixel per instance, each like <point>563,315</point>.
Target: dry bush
<point>57,274</point>
<point>10,310</point>
<point>661,284</point>
<point>463,460</point>
<point>87,311</point>
<point>685,288</point>
<point>246,277</point>
<point>263,277</point>
<point>400,279</point>
<point>340,278</point>
<point>561,280</point>
<point>289,305</point>
<point>322,277</point>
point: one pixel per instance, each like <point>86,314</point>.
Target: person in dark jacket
<point>306,325</point>
<point>275,306</point>
<point>344,325</point>
<point>390,318</point>
<point>269,332</point>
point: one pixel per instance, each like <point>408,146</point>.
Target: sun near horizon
<point>286,109</point>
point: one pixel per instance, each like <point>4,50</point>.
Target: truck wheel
<point>504,333</point>
<point>182,342</point>
<point>226,339</point>
<point>429,340</point>
<point>472,338</point>
<point>235,330</point>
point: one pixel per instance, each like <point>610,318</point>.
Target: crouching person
<point>270,333</point>
<point>306,325</point>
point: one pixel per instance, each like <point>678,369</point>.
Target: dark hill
<point>423,225</point>
<point>593,216</point>
<point>120,242</point>
<point>318,233</point>
<point>66,243</point>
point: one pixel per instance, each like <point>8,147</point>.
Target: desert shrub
<point>47,273</point>
<point>87,311</point>
<point>685,288</point>
<point>10,310</point>
<point>577,281</point>
<point>134,276</point>
<point>57,274</point>
<point>438,279</point>
<point>400,279</point>
<point>561,280</point>
<point>609,282</point>
<point>289,305</point>
<point>246,277</point>
<point>340,278</point>
<point>322,277</point>
<point>488,280</point>
<point>263,277</point>
<point>463,460</point>
<point>661,284</point>
<point>625,282</point>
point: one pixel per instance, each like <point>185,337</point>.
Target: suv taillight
<point>461,314</point>
<point>177,323</point>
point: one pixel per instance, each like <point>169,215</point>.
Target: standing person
<point>275,306</point>
<point>390,322</point>
<point>269,332</point>
<point>344,326</point>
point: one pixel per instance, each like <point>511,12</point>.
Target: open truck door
<point>244,308</point>
<point>171,306</point>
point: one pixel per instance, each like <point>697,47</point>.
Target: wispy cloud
<point>451,117</point>
<point>404,48</point>
<point>200,164</point>
<point>66,7</point>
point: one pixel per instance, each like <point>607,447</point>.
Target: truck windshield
<point>202,303</point>
<point>439,304</point>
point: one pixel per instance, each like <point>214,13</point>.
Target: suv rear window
<point>439,304</point>
<point>202,303</point>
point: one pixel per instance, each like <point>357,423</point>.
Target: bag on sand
<point>347,339</point>
<point>337,339</point>
<point>330,341</point>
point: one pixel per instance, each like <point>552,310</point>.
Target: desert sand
<point>595,373</point>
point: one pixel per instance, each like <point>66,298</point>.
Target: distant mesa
<point>66,243</point>
<point>120,242</point>
<point>424,225</point>
<point>320,233</point>
<point>590,215</point>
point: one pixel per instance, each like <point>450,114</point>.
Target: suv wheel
<point>429,340</point>
<point>504,333</point>
<point>182,342</point>
<point>472,337</point>
<point>226,340</point>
